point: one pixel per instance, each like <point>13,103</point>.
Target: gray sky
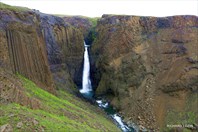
<point>95,8</point>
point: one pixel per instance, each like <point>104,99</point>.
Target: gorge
<point>144,69</point>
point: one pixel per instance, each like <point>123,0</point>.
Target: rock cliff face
<point>33,43</point>
<point>147,67</point>
<point>65,47</point>
<point>79,22</point>
<point>23,47</point>
<point>85,24</point>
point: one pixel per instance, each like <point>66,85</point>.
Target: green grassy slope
<point>12,8</point>
<point>61,113</point>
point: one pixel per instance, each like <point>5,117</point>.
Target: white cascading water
<point>86,82</point>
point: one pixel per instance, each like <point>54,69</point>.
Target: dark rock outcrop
<point>65,47</point>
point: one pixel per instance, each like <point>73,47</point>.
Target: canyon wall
<point>41,47</point>
<point>147,67</point>
<point>23,49</point>
<point>65,48</point>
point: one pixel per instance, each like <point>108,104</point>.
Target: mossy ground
<point>60,113</point>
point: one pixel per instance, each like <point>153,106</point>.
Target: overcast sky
<point>95,8</point>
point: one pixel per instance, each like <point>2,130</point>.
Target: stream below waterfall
<point>88,92</point>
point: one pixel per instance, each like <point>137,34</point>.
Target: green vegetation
<point>91,37</point>
<point>63,112</point>
<point>186,118</point>
<point>12,8</point>
<point>181,117</point>
<point>93,20</point>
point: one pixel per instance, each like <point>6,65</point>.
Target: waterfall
<point>86,82</point>
<point>87,92</point>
